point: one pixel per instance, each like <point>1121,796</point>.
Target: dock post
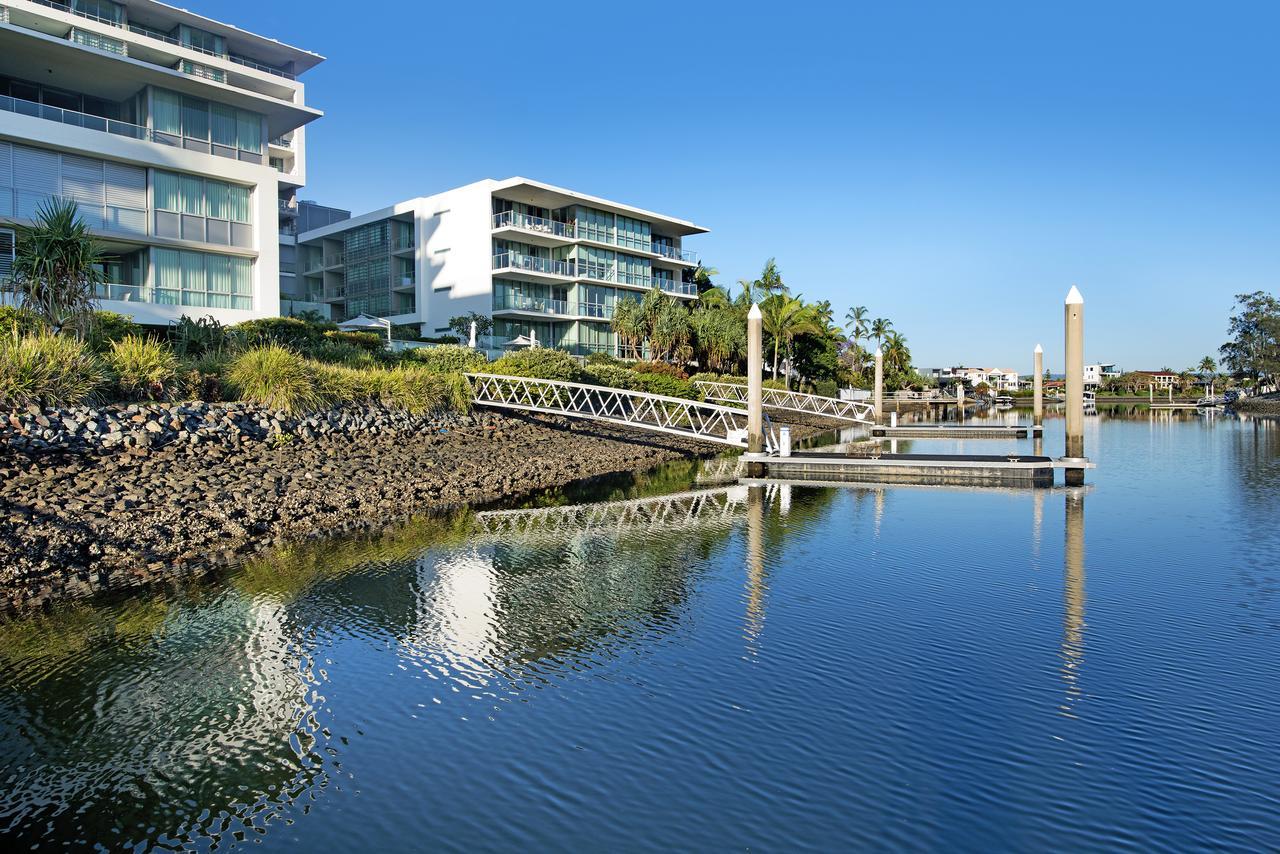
<point>959,401</point>
<point>879,392</point>
<point>755,389</point>
<point>1171,393</point>
<point>1037,385</point>
<point>1073,321</point>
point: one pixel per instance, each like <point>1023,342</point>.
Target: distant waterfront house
<point>1002,379</point>
<point>1161,379</point>
<point>1096,374</point>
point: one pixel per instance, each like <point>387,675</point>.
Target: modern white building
<point>180,138</point>
<point>1096,374</point>
<point>1001,379</point>
<point>541,260</point>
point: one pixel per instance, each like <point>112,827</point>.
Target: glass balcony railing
<point>675,253</point>
<point>595,309</point>
<point>532,264</point>
<point>520,302</point>
<point>674,287</point>
<point>71,117</point>
<point>536,224</point>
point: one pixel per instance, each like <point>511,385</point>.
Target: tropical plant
<point>856,322</point>
<point>880,328</point>
<point>193,339</point>
<point>897,356</point>
<point>143,367</point>
<point>276,377</point>
<point>539,362</point>
<point>107,327</point>
<point>298,335</point>
<point>462,324</point>
<point>371,341</point>
<point>629,325</point>
<point>785,317</point>
<point>57,268</point>
<point>48,369</point>
<point>448,359</point>
<point>1207,367</point>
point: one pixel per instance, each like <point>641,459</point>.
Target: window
<point>204,121</point>
<point>7,243</point>
<point>111,196</point>
<point>100,10</point>
<point>634,234</point>
<point>193,208</point>
<point>202,279</point>
<point>101,42</point>
<point>594,225</point>
<point>203,41</point>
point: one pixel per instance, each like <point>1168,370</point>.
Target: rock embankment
<point>107,498</point>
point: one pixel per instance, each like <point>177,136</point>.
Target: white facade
<point>1001,379</point>
<point>539,259</point>
<point>180,139</point>
<point>1096,374</point>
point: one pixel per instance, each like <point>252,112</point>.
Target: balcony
<point>326,262</point>
<point>675,253</point>
<point>532,224</point>
<point>83,120</point>
<point>599,310</point>
<point>539,305</point>
<point>532,264</point>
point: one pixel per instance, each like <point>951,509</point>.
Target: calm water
<point>769,669</point>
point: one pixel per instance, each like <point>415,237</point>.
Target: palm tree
<point>628,323</point>
<point>784,318</point>
<point>880,328</point>
<point>856,321</point>
<point>57,268</point>
<point>702,277</point>
<point>897,356</point>
<point>1207,367</point>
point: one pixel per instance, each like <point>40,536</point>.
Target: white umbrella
<point>365,322</point>
<point>472,345</point>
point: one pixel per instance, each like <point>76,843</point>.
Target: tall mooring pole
<point>1037,385</point>
<point>879,391</point>
<point>755,381</point>
<point>1073,321</point>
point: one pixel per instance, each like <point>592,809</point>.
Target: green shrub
<point>194,339</point>
<point>290,332</point>
<point>539,362</point>
<point>142,367</point>
<point>276,377</point>
<point>599,357</point>
<point>20,320</point>
<point>416,389</point>
<point>50,370</point>
<point>708,377</point>
<point>107,328</point>
<point>667,384</point>
<point>826,388</point>
<point>202,378</point>
<point>775,384</point>
<point>659,368</point>
<point>371,341</point>
<point>341,353</point>
<point>614,376</point>
<point>448,358</point>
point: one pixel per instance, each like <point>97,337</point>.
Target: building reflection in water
<point>1073,624</point>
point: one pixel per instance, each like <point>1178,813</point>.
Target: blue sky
<point>954,167</point>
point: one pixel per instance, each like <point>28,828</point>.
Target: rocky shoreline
<point>119,497</point>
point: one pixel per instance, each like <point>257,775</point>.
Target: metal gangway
<point>794,401</point>
<point>677,416</point>
<point>665,512</point>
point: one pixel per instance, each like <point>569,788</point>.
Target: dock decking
<point>944,469</point>
<point>951,431</point>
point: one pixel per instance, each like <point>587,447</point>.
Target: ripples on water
<point>791,667</point>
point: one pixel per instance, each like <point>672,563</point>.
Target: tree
<point>897,356</point>
<point>856,322</point>
<point>1254,349</point>
<point>628,324</point>
<point>785,317</point>
<point>880,328</point>
<point>57,268</point>
<point>702,277</point>
<point>1207,367</point>
<point>462,324</point>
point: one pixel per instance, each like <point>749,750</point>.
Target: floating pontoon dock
<point>952,431</point>
<point>950,469</point>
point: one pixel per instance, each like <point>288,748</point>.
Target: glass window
<point>195,118</point>
<point>223,125</point>
<point>166,111</point>
<point>238,199</point>
<point>192,190</point>
<point>168,197</point>
<point>216,202</point>
<point>249,131</point>
<point>167,269</point>
<point>100,10</point>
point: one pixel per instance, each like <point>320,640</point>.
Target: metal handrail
<point>795,401</point>
<point>542,305</point>
<point>71,117</point>
<point>532,263</point>
<point>676,416</point>
<point>527,222</point>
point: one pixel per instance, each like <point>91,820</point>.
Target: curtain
<point>192,195</point>
<point>195,118</point>
<point>166,111</point>
<point>249,131</point>
<point>238,203</point>
<point>216,202</point>
<point>219,275</point>
<point>193,280</point>
<point>167,269</point>
<point>168,196</point>
<point>223,124</point>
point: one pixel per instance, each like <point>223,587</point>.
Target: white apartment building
<point>180,138</point>
<point>541,260</point>
<point>1096,374</point>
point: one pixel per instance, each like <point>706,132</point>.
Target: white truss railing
<point>677,416</point>
<point>665,512</point>
<point>795,401</point>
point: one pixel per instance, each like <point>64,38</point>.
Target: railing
<point>532,264</point>
<point>536,224</point>
<point>205,72</point>
<point>288,209</point>
<point>158,35</point>
<point>71,117</point>
<point>676,416</point>
<point>541,305</point>
<point>777,398</point>
<point>63,7</point>
<point>595,309</point>
<point>675,253</point>
<point>282,142</point>
<point>674,287</point>
<point>336,260</point>
<point>258,66</point>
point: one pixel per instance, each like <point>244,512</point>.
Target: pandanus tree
<point>785,317</point>
<point>57,268</point>
<point>628,324</point>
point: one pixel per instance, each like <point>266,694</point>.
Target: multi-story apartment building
<point>180,138</point>
<point>296,217</point>
<point>541,260</point>
<point>1096,374</point>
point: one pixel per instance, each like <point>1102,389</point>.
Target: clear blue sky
<point>953,166</point>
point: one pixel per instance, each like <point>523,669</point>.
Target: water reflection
<point>1073,630</point>
<point>756,588</point>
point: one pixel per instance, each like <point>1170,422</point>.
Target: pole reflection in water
<point>1037,519</point>
<point>1073,600</point>
<point>755,566</point>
